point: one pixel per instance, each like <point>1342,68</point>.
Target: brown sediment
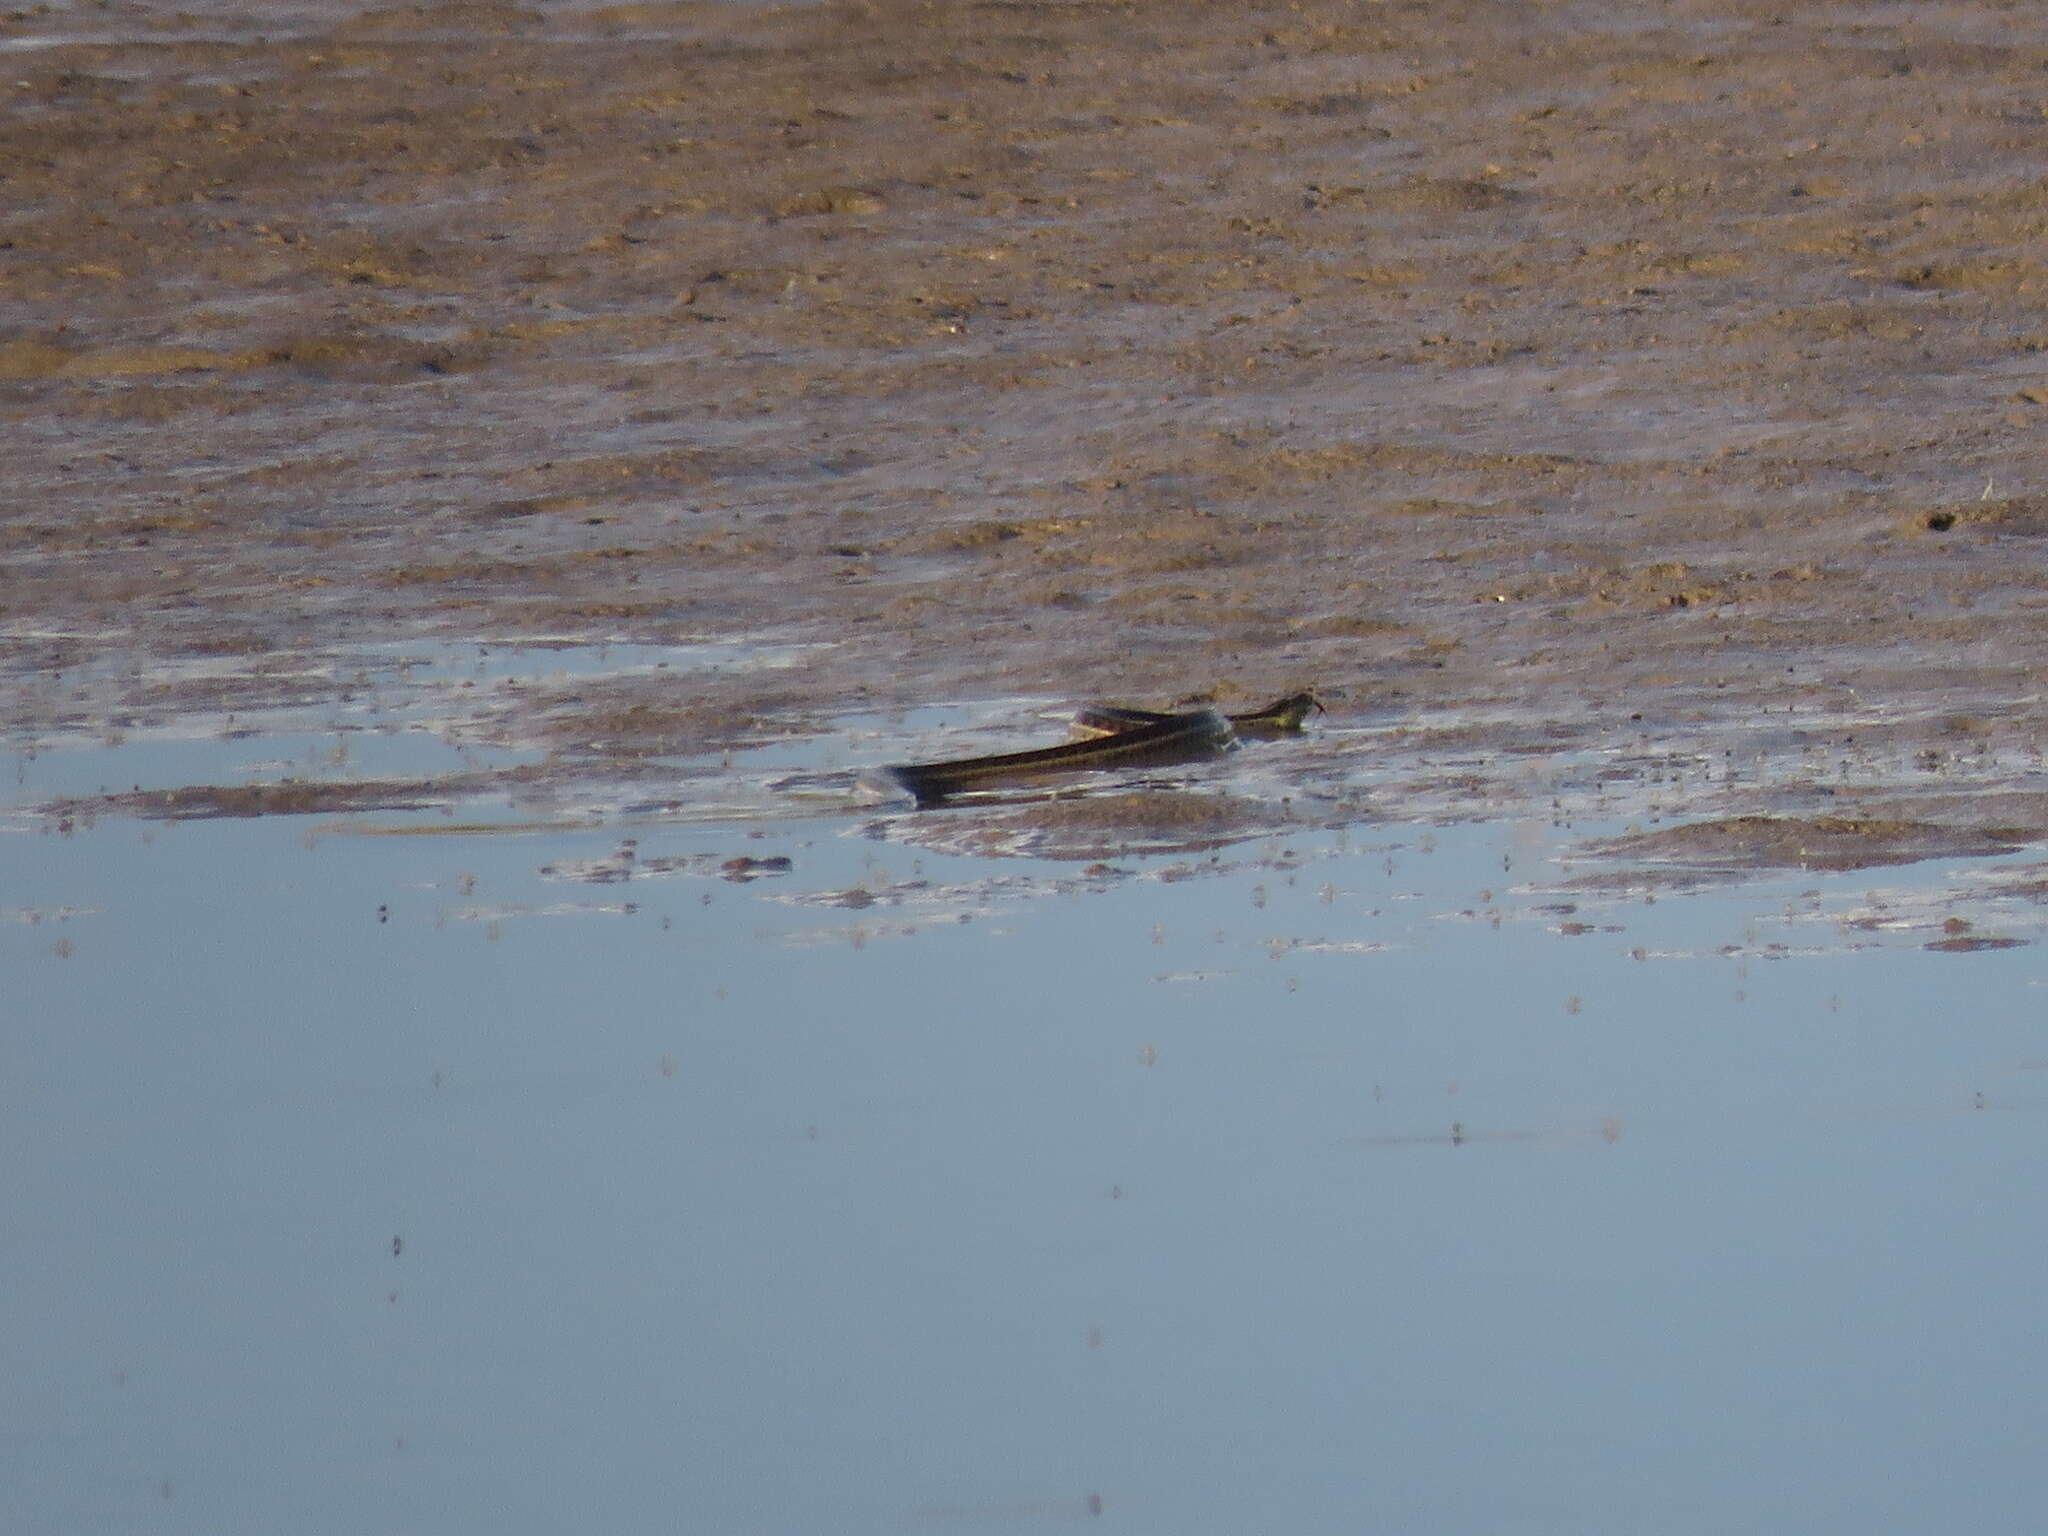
<point>1510,370</point>
<point>1817,842</point>
<point>1111,825</point>
<point>199,802</point>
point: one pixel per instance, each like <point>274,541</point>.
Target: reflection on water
<point>812,1174</point>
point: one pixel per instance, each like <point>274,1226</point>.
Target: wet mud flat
<point>1530,380</point>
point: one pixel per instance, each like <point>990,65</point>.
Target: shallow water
<point>480,1168</point>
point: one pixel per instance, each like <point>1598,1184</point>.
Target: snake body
<point>1123,738</point>
<point>1279,718</point>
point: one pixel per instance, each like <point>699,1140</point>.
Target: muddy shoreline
<point>1523,378</point>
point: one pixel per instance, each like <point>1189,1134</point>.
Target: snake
<point>1120,738</point>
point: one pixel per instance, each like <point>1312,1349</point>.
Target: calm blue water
<point>372,1175</point>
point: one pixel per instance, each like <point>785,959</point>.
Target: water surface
<point>479,1169</point>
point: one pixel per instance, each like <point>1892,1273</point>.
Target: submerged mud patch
<point>203,802</point>
<point>1083,827</point>
<point>1742,844</point>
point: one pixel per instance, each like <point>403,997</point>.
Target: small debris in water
<point>745,868</point>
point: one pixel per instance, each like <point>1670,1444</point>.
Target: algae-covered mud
<point>1541,375</point>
